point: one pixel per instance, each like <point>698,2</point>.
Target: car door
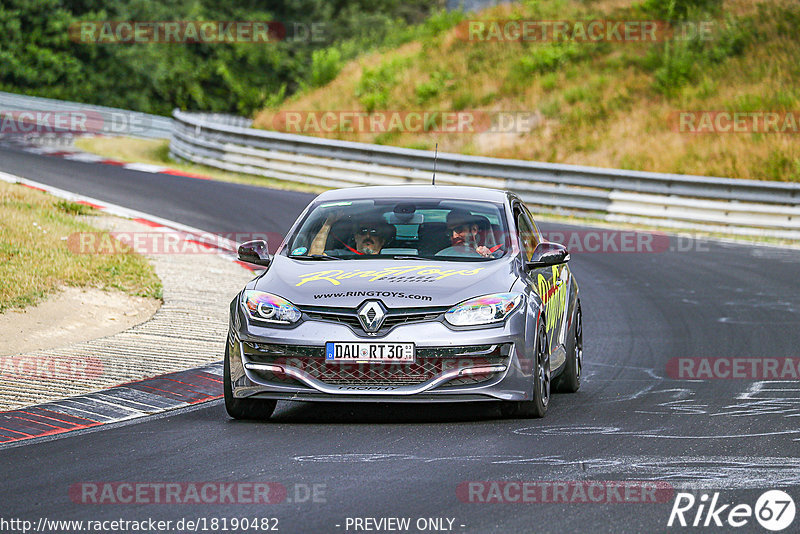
<point>548,282</point>
<point>562,277</point>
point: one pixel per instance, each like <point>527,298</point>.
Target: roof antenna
<point>435,157</point>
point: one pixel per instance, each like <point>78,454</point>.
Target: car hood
<point>397,283</point>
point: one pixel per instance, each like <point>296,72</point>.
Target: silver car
<point>406,294</point>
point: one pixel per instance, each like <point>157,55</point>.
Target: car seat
<point>432,238</point>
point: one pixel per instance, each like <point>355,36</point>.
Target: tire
<point>569,381</point>
<point>537,406</point>
<point>243,408</point>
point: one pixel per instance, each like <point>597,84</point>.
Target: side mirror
<point>546,254</point>
<point>255,252</point>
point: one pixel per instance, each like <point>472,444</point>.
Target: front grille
<point>373,374</point>
<point>429,364</point>
<point>393,318</point>
<point>348,319</point>
<point>268,352</point>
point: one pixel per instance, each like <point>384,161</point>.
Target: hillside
<point>609,103</point>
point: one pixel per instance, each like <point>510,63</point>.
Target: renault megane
<point>406,294</point>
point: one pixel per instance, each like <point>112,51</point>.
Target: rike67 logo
<point>774,510</point>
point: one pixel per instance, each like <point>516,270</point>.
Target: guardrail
<point>97,119</point>
<point>726,205</point>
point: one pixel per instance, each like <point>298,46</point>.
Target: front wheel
<point>570,380</point>
<point>537,406</point>
<point>243,408</point>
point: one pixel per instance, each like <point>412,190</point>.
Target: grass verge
<point>35,259</point>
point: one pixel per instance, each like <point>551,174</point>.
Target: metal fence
<point>724,205</point>
<point>91,119</point>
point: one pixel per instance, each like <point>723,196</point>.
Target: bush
<point>73,208</point>
<point>549,81</point>
<point>375,84</point>
<point>542,59</point>
<point>325,66</point>
<point>548,58</point>
<point>438,23</point>
<point>677,67</point>
<point>680,9</point>
<point>430,89</point>
<point>464,99</point>
<point>778,166</point>
<point>680,61</point>
<point>578,93</point>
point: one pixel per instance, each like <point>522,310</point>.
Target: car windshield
<point>436,229</point>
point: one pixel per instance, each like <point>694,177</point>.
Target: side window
<point>526,233</point>
<point>536,232</point>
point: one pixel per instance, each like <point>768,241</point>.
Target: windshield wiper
<point>410,258</point>
<point>314,257</point>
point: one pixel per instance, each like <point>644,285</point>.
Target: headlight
<point>271,308</point>
<point>483,310</point>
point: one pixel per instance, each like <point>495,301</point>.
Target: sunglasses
<point>459,228</point>
<point>374,232</point>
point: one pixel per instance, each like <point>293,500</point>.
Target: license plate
<point>369,352</point>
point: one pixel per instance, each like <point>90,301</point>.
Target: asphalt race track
<point>629,422</point>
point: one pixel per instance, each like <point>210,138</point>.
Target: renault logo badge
<point>371,316</point>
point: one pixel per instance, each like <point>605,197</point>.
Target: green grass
<point>35,259</point>
<point>376,83</point>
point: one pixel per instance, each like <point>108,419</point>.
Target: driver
<point>462,229</point>
<point>372,235</point>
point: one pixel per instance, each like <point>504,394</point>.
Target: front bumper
<point>452,365</point>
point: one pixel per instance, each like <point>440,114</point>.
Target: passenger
<point>462,229</point>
